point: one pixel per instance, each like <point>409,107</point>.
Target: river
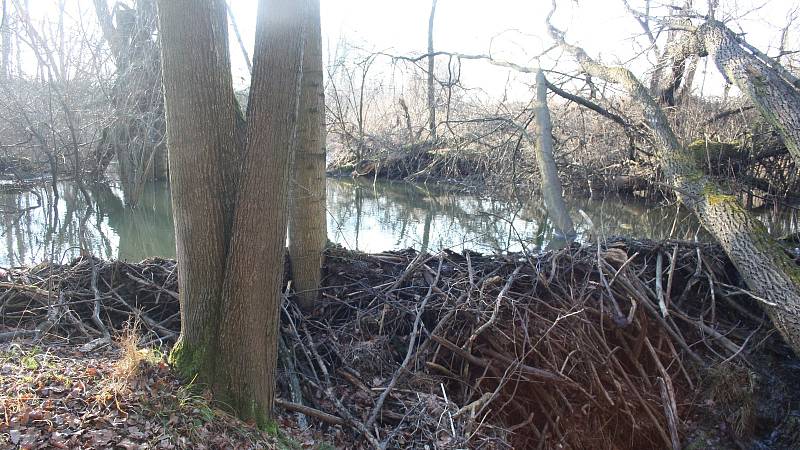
<point>361,216</point>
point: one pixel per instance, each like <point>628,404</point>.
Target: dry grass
<point>128,368</point>
<point>120,397</point>
<point>731,389</point>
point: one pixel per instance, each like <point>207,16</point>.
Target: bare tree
<point>771,88</point>
<point>230,203</point>
<point>551,184</point>
<point>5,42</point>
<point>135,135</point>
<point>53,114</point>
<point>350,98</point>
<point>765,267</point>
<point>431,76</point>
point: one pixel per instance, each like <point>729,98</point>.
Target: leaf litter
<point>109,399</point>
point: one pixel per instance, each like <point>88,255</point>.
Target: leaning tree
<point>769,272</point>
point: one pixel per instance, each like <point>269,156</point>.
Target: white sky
<point>514,30</point>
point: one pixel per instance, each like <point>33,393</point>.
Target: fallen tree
<point>772,89</point>
<point>766,268</point>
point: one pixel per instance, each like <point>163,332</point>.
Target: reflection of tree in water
<point>144,231</point>
<point>361,216</point>
<point>397,215</point>
<point>419,216</point>
<point>99,224</point>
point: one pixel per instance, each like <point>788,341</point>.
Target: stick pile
<point>599,346</point>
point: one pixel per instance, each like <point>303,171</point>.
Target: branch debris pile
<point>628,344</point>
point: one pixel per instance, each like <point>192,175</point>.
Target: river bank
<point>360,215</point>
<point>629,344</point>
<point>753,161</point>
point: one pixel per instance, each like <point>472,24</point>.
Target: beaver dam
<point>622,344</point>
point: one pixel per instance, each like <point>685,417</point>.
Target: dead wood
<point>480,351</point>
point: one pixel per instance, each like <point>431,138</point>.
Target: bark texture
<point>551,184</point>
<point>764,266</point>
<point>774,96</point>
<point>194,52</point>
<point>230,193</point>
<point>307,219</point>
<point>254,272</point>
<point>674,72</point>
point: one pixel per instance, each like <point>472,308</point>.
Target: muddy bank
<point>629,344</point>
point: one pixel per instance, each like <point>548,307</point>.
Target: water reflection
<point>95,220</point>
<point>398,215</point>
<point>360,216</point>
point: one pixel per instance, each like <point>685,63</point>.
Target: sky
<point>514,30</point>
<point>511,30</point>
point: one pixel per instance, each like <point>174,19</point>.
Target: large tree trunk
<point>762,263</point>
<point>551,184</point>
<point>230,208</point>
<point>674,71</point>
<point>197,79</point>
<point>764,82</point>
<point>254,273</point>
<point>307,220</point>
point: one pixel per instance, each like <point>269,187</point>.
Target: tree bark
<point>197,78</point>
<point>774,96</point>
<point>431,77</point>
<point>254,273</point>
<point>761,261</point>
<point>307,219</point>
<point>230,208</point>
<point>551,184</point>
<point>678,63</point>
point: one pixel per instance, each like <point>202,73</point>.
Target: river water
<point>361,216</point>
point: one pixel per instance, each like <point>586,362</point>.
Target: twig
<point>309,411</point>
<point>409,352</point>
<point>659,288</point>
<point>496,310</point>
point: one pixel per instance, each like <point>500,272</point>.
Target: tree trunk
<point>551,184</point>
<point>230,209</point>
<point>774,96</point>
<point>431,67</point>
<point>762,263</point>
<point>196,72</point>
<point>5,42</point>
<point>254,274</point>
<point>307,220</point>
<point>106,22</point>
